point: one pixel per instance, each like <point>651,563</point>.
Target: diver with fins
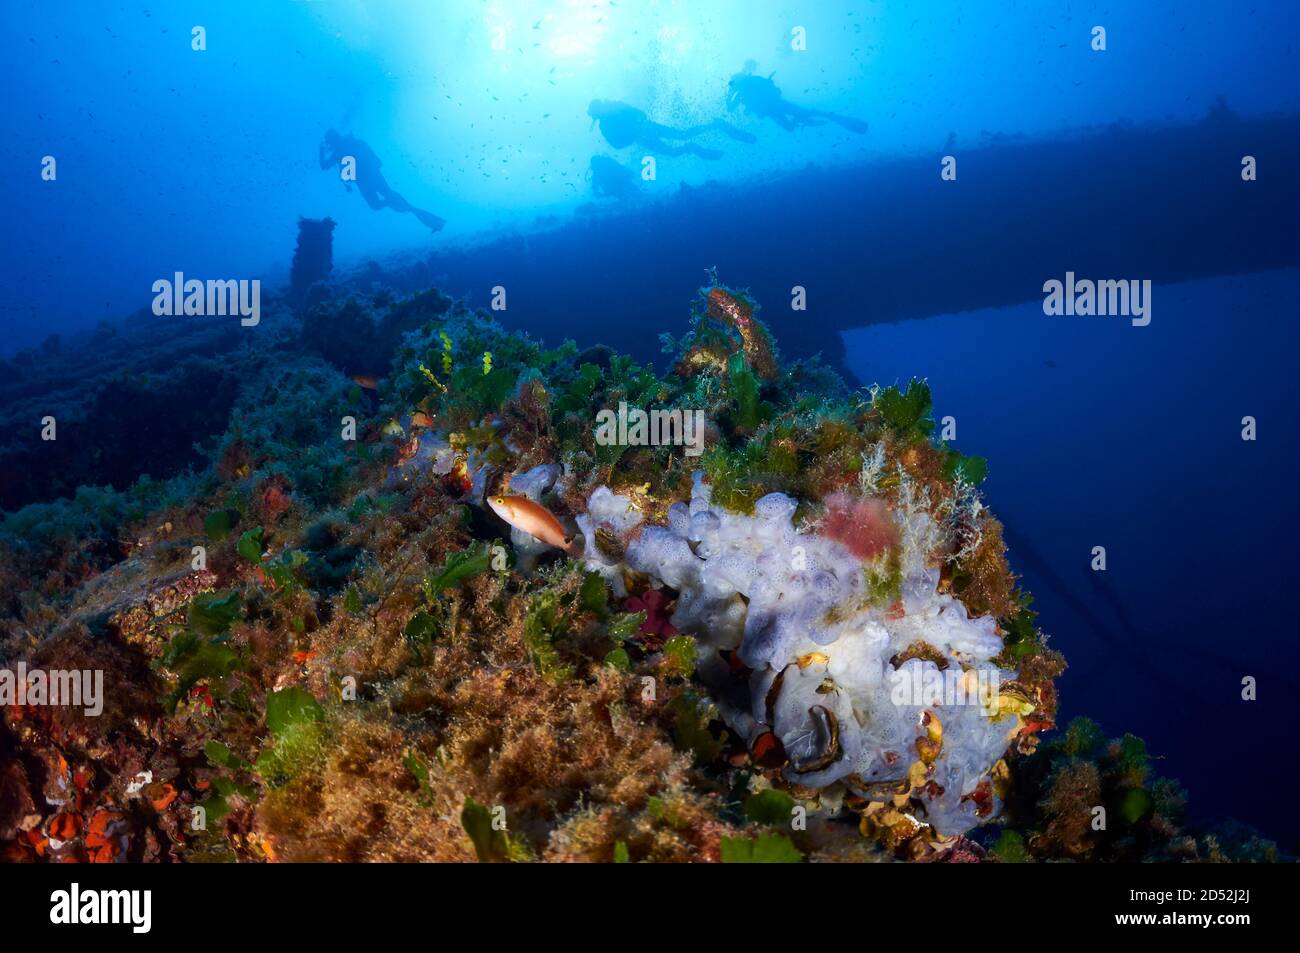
<point>623,125</point>
<point>370,182</point>
<point>761,97</point>
<point>612,179</point>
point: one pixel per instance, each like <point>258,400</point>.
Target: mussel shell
<point>828,730</point>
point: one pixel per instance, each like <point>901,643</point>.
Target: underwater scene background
<point>830,227</point>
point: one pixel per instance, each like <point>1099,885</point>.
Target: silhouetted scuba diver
<point>623,125</point>
<point>369,180</point>
<point>760,96</point>
<point>611,179</point>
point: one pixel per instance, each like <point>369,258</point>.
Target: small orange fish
<point>421,419</point>
<point>535,520</point>
<point>366,381</point>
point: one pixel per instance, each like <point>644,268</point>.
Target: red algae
<point>863,525</point>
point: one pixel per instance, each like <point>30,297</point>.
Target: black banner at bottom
<point>234,904</point>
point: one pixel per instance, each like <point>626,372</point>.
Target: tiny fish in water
<point>366,381</point>
<point>534,519</point>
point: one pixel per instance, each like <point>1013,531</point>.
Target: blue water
<point>201,161</point>
<point>1122,163</point>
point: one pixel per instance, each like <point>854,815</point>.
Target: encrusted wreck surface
<point>322,645</point>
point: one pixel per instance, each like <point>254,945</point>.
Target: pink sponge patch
<point>865,526</point>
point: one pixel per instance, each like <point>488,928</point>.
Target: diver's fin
<point>728,129</point>
<point>429,220</point>
<point>848,122</point>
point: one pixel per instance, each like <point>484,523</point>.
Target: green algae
<point>1133,760</point>
<point>968,469</point>
<point>541,628</point>
<point>1021,637</point>
<point>770,806</point>
<point>884,577</point>
<point>690,726</point>
<point>250,545</point>
<point>578,395</point>
<point>763,849</point>
<point>298,736</point>
<point>625,625</point>
<point>679,656</point>
<point>1011,849</point>
<point>217,805</point>
<point>420,772</point>
<point>194,659</point>
<point>747,412</point>
<point>1136,805</point>
<point>289,708</point>
<point>471,561</point>
<point>352,601</point>
<point>285,571</point>
<point>907,411</point>
<point>420,632</point>
<point>594,594</point>
<point>740,477</point>
<point>618,658</point>
<point>212,614</point>
<point>492,843</point>
<point>219,523</point>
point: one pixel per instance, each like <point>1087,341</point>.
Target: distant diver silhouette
<point>611,179</point>
<point>624,125</point>
<point>370,182</point>
<point>761,97</point>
